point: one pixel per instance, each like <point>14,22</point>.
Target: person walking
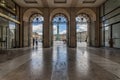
<point>36,42</point>
<point>33,41</point>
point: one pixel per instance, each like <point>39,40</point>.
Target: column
<point>72,29</point>
<point>97,29</point>
<point>21,28</point>
<point>46,29</point>
<point>26,32</point>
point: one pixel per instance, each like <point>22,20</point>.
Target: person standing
<point>33,41</point>
<point>36,42</point>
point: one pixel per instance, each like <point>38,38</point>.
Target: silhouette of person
<point>36,42</point>
<point>33,41</point>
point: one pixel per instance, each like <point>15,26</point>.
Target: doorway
<point>82,21</point>
<point>37,30</point>
<point>59,26</point>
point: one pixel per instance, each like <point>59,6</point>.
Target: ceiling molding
<point>45,3</point>
<point>60,1</point>
<point>74,3</point>
<point>30,1</point>
<point>88,1</point>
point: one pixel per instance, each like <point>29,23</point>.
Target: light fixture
<point>81,19</point>
<point>59,19</point>
<point>37,20</point>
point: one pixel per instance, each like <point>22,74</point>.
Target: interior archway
<point>89,12</point>
<point>27,29</point>
<point>52,15</point>
<point>82,24</point>
<point>29,12</point>
<point>91,25</point>
<point>59,10</point>
<point>59,26</point>
<point>36,21</point>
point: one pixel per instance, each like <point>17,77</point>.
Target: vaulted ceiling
<point>59,3</point>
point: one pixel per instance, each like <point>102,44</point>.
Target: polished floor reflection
<point>62,63</point>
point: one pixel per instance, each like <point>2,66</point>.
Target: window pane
<point>116,35</point>
<point>107,36</point>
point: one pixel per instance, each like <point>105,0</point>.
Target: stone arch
<point>39,21</point>
<point>85,16</point>
<point>27,14</point>
<point>88,12</point>
<point>61,11</point>
<point>34,16</point>
<point>27,31</point>
<point>91,26</point>
<point>53,14</point>
<point>79,34</point>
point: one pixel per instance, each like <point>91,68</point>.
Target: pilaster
<point>72,29</point>
<point>46,27</point>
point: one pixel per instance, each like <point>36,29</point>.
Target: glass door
<point>7,34</point>
<point>11,35</point>
<point>3,32</point>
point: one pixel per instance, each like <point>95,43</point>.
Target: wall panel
<point>110,20</point>
<point>111,5</point>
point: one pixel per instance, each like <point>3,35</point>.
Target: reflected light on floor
<point>36,63</point>
<point>82,63</point>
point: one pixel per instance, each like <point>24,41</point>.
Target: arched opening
<point>36,21</point>
<point>59,26</point>
<point>90,17</point>
<point>29,15</point>
<point>82,23</point>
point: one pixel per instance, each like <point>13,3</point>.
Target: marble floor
<point>62,63</point>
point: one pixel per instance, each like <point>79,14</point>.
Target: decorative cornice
<point>60,1</point>
<point>9,18</point>
<point>28,1</point>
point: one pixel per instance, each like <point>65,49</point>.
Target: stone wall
<point>71,14</point>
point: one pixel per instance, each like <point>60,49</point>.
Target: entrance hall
<point>59,39</point>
